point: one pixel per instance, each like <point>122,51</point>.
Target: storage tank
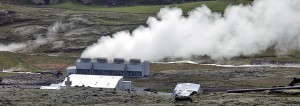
<point>146,68</point>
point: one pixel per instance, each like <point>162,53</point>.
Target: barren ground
<point>214,81</point>
<point>31,22</point>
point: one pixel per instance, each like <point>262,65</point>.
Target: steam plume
<point>50,36</point>
<point>241,30</point>
<point>12,47</point>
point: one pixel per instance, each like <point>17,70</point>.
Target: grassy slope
<point>9,60</point>
<point>213,5</point>
<point>33,63</point>
<point>18,2</point>
<point>36,63</point>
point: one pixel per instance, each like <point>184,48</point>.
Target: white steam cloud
<point>241,30</point>
<point>12,47</point>
<point>31,44</point>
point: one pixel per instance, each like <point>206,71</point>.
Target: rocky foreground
<point>90,96</point>
<point>76,96</point>
<point>210,77</point>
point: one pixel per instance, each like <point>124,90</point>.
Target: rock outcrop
<point>7,16</point>
<point>88,1</point>
<point>45,2</point>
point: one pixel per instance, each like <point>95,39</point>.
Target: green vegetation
<point>33,63</point>
<point>108,22</point>
<point>13,60</point>
<point>167,90</point>
<point>1,7</point>
<point>18,2</point>
<point>6,74</point>
<point>270,54</point>
<point>7,60</point>
<point>161,67</point>
<point>213,5</point>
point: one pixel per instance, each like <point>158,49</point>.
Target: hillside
<point>245,47</point>
<point>67,28</point>
<point>111,2</point>
<point>152,9</point>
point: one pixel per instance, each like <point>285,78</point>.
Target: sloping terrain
<point>68,28</point>
<point>39,38</point>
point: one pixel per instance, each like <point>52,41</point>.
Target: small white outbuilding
<point>94,81</point>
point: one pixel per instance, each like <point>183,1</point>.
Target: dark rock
<point>45,2</point>
<point>45,95</point>
<point>88,1</point>
<point>7,17</point>
<point>6,12</point>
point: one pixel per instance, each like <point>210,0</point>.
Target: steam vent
<point>118,67</point>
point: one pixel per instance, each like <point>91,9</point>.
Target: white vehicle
<point>183,91</point>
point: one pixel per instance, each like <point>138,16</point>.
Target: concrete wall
<point>146,68</point>
<point>83,65</point>
<point>127,85</point>
<point>108,66</point>
<point>134,67</point>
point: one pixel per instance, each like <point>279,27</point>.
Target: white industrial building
<point>94,81</point>
<point>118,67</point>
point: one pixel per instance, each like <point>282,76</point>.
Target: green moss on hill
<point>213,5</point>
<point>17,2</point>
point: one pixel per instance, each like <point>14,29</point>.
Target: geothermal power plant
<point>116,67</point>
<point>103,73</point>
<point>150,52</point>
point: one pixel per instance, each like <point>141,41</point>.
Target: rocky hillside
<point>133,2</point>
<point>18,2</point>
<point>102,2</point>
<point>51,30</point>
<point>30,2</point>
<point>45,2</point>
<point>109,2</point>
<point>7,17</point>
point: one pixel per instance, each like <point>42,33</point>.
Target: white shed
<point>95,81</point>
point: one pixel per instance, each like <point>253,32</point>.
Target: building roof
<point>52,86</point>
<point>185,89</point>
<point>71,68</point>
<point>96,81</point>
<point>187,86</point>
